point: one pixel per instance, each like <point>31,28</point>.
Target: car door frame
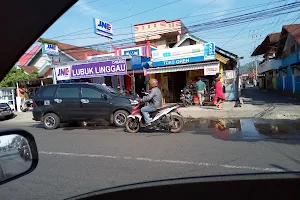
<point>101,106</point>
<point>69,109</point>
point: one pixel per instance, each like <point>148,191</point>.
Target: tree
<point>15,75</point>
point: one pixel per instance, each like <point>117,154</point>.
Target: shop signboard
<point>62,73</point>
<point>50,49</point>
<point>183,55</point>
<point>211,70</point>
<point>103,28</point>
<point>132,51</point>
<point>98,69</point>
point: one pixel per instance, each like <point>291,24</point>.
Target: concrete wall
<point>152,30</point>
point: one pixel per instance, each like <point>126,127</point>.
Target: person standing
<point>219,95</point>
<point>201,88</point>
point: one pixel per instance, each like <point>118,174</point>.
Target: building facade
<point>162,33</point>
<point>281,69</point>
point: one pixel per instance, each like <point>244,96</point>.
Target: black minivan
<point>75,102</point>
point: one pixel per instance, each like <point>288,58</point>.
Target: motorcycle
<point>26,105</point>
<point>167,118</point>
<point>186,98</point>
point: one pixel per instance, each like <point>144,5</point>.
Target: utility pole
<point>254,38</point>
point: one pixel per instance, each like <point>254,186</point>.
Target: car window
<point>67,92</point>
<point>90,93</point>
<point>48,91</point>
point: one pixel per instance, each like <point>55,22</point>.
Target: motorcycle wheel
<point>177,124</point>
<point>185,103</point>
<point>132,125</point>
<point>23,109</point>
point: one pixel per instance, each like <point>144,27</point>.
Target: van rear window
<point>48,91</point>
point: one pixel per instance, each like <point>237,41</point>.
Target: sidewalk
<point>229,111</point>
<point>256,104</point>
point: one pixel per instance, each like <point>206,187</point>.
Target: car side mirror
<point>18,154</point>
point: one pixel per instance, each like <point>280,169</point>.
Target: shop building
<point>189,59</point>
<point>164,34</point>
<point>268,67</point>
<point>280,68</point>
<point>135,77</point>
<point>111,70</point>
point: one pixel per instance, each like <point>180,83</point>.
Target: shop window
<point>68,92</point>
<point>90,93</point>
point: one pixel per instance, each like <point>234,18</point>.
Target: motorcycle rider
<point>154,99</point>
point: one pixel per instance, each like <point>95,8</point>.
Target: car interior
<point>22,25</point>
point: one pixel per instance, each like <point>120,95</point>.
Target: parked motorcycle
<point>186,98</point>
<point>26,105</point>
<point>167,118</point>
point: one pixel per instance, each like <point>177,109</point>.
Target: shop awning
<point>221,58</point>
<point>178,68</point>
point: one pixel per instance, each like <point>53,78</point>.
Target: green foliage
<point>15,75</point>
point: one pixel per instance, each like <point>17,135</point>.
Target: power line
<point>198,9</point>
<point>205,14</point>
<point>102,44</point>
<point>151,9</point>
<point>235,20</point>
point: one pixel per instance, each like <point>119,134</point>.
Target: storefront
<point>176,68</point>
<point>114,71</point>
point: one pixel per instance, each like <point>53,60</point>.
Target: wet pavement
<point>245,129</point>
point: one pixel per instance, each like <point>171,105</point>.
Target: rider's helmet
<point>153,82</point>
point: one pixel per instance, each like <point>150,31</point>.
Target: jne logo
<point>51,46</point>
<point>104,25</point>
<point>63,72</point>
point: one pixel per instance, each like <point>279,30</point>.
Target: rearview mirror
<point>18,154</point>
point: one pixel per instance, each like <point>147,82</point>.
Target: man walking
<point>201,88</point>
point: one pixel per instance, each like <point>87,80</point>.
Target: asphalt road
<point>79,160</point>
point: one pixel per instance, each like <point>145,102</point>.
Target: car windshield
<point>218,83</point>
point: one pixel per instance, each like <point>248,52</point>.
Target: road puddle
<point>245,129</point>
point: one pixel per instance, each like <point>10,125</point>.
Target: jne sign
<point>62,73</point>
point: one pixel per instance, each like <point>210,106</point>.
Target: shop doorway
<point>139,83</point>
<point>176,82</point>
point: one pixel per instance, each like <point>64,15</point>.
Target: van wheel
<point>120,118</point>
<point>51,121</point>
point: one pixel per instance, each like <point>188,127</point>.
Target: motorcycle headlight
<point>133,102</point>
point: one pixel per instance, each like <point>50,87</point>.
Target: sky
<point>236,39</point>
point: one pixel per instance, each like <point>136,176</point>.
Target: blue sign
<point>103,28</point>
<point>50,49</point>
<point>132,52</point>
<point>183,55</point>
